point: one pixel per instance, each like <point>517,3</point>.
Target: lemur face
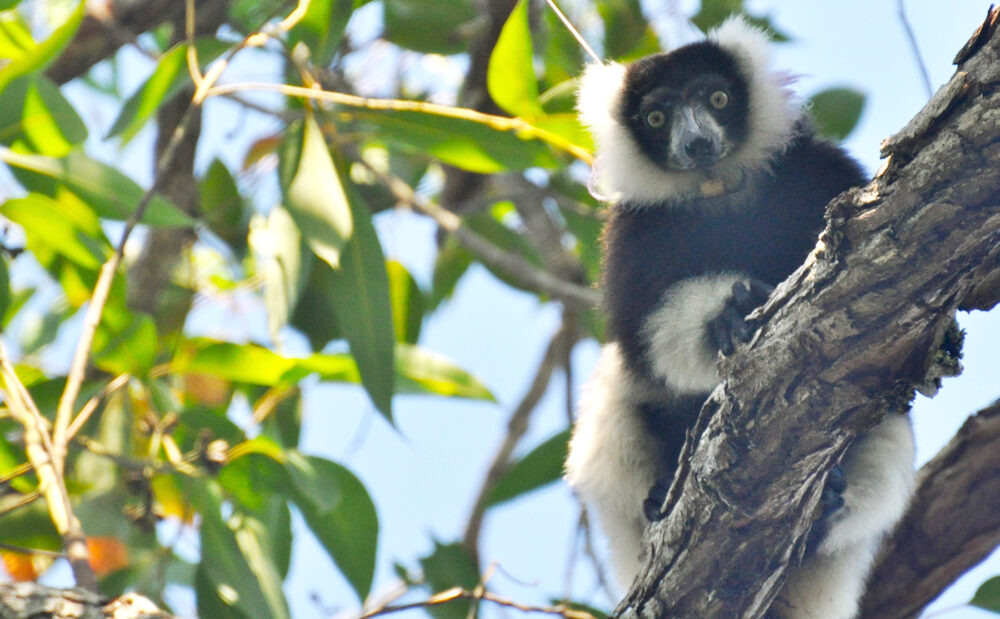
<point>687,110</point>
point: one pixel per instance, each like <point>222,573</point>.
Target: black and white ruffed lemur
<point>681,271</point>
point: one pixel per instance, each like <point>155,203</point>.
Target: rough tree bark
<point>846,338</point>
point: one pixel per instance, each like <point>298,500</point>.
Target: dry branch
<point>847,337</point>
<point>931,546</point>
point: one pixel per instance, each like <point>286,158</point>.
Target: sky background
<point>424,474</point>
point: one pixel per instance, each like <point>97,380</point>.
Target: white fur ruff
<point>622,170</point>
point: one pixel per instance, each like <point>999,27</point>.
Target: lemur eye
<point>656,119</point>
<point>719,99</point>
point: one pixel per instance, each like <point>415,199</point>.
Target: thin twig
<point>520,270</point>
<point>576,33</point>
<point>38,445</point>
<point>21,501</point>
<point>457,593</point>
<point>500,123</point>
<point>517,426</point>
<point>912,38</point>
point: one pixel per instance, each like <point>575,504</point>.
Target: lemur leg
<point>879,476</point>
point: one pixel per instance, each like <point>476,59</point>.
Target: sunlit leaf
<point>316,200</point>
<point>128,348</point>
<point>510,77</point>
<point>60,227</point>
<point>110,193</point>
<point>33,109</point>
<point>322,28</point>
<point>242,363</point>
<point>169,77</point>
<point>429,26</point>
<point>836,111</point>
<point>339,512</point>
<point>542,466</point>
<point>31,58</point>
<point>421,371</point>
<point>282,261</point>
<point>463,143</point>
<point>407,303</point>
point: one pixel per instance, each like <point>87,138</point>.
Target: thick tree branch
<point>931,547</point>
<point>109,24</point>
<point>845,339</point>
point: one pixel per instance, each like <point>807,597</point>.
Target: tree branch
<point>110,24</point>
<point>931,547</point>
<point>845,339</point>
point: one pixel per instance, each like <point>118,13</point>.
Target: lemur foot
<point>731,326</point>
<point>831,501</point>
<point>654,500</point>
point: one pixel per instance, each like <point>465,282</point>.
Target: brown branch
<point>931,548</point>
<point>845,339</point>
<point>111,24</point>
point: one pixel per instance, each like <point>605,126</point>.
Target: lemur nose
<point>699,148</point>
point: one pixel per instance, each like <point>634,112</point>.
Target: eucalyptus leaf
<point>316,200</point>
<point>510,77</point>
<point>339,512</point>
<point>105,189</point>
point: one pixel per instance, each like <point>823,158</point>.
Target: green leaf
<point>170,76</point>
<point>34,110</point>
<point>66,228</point>
<point>210,598</point>
<point>314,315</point>
<point>235,556</point>
<point>364,312</point>
<point>321,29</point>
<point>283,263</point>
<point>626,31</point>
<point>446,567</point>
<point>452,262</point>
<point>241,363</point>
<point>988,595</point>
<point>110,193</point>
<point>340,514</point>
<point>23,55</point>
<point>836,111</point>
<point>5,296</point>
<point>222,207</point>
<point>129,348</point>
<point>421,371</point>
<point>407,303</point>
<point>510,77</point>
<point>463,143</point>
<point>429,26</point>
<point>542,466</point>
<point>316,200</point>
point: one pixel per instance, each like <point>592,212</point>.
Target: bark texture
<point>28,600</point>
<point>845,339</point>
